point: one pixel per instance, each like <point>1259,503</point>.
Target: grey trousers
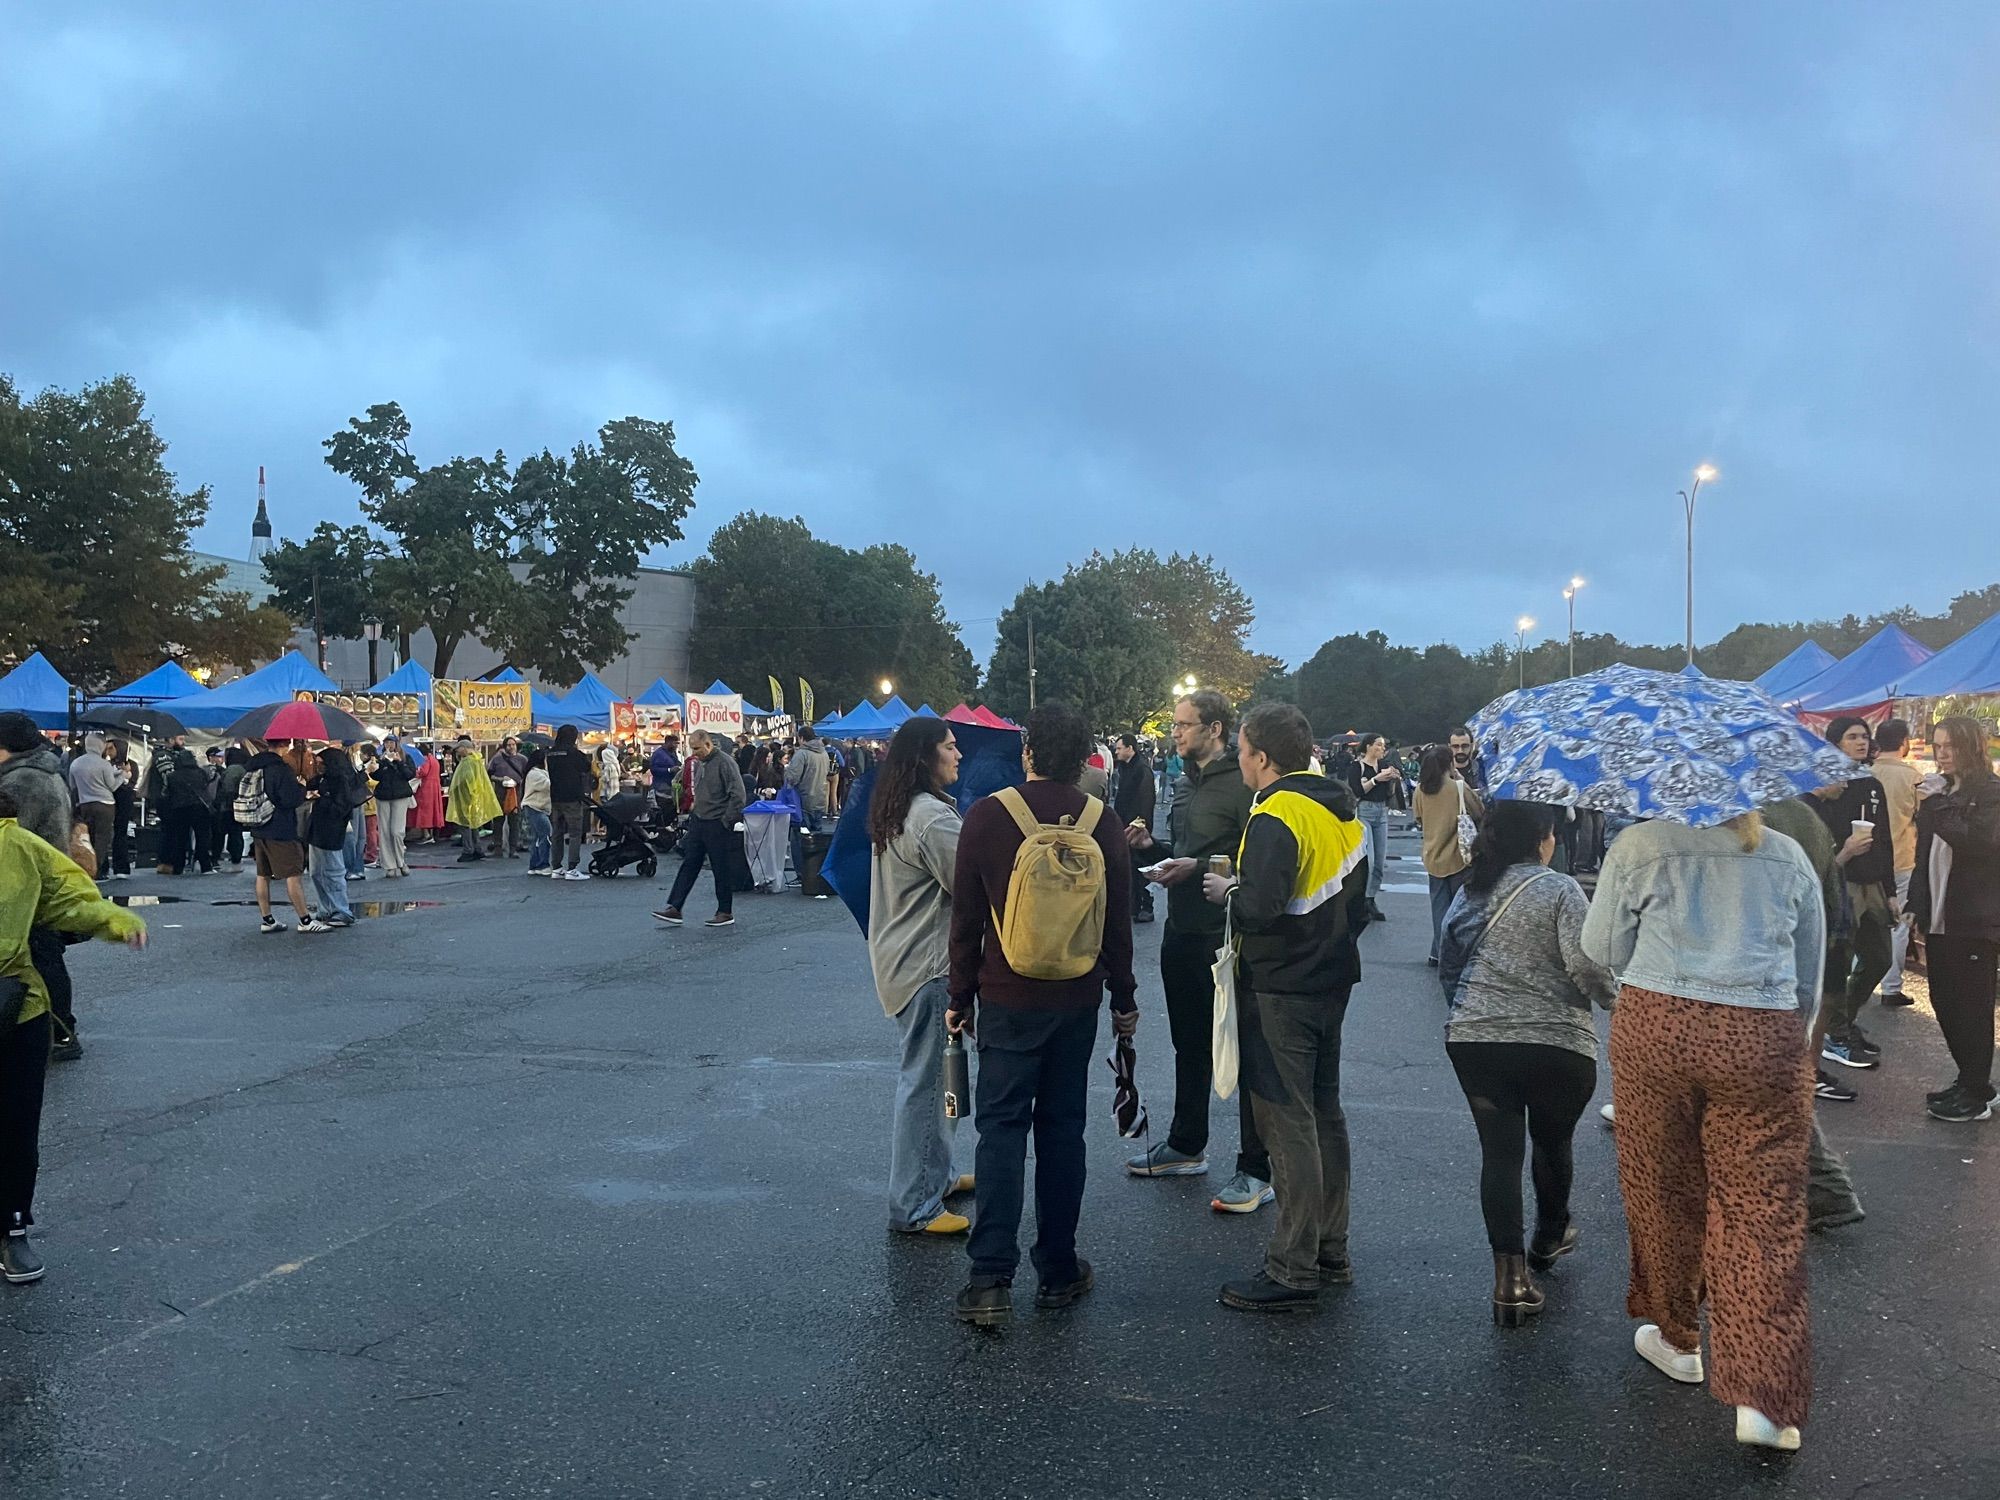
<point>1829,1189</point>
<point>1291,1070</point>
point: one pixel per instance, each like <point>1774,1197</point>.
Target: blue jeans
<point>540,827</point>
<point>354,854</point>
<point>1034,1073</point>
<point>329,879</point>
<point>1443,888</point>
<point>1375,819</point>
<point>920,1170</point>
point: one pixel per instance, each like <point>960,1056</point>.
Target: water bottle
<point>957,1079</point>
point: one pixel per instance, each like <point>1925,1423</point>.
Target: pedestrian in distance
<point>1899,780</point>
<point>570,777</point>
<point>1041,923</point>
<point>94,779</point>
<point>332,796</point>
<point>187,814</point>
<point>470,803</point>
<point>1133,799</point>
<point>1520,1037</point>
<point>537,811</point>
<point>1211,805</point>
<point>711,836</point>
<point>1441,799</point>
<point>1378,786</point>
<point>125,827</point>
<point>807,774</point>
<point>1856,813</point>
<point>233,837</point>
<point>1710,1048</point>
<point>1955,898</point>
<point>508,770</point>
<point>395,798</point>
<point>913,830</point>
<point>270,804</point>
<point>1299,899</point>
<point>426,819</point>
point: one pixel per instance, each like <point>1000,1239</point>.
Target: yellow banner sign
<point>486,712</point>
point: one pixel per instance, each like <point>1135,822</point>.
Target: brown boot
<point>1516,1298</point>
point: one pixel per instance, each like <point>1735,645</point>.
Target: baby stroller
<point>631,836</point>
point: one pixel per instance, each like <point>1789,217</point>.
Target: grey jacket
<point>94,779</point>
<point>1691,912</point>
<point>807,772</point>
<point>34,779</point>
<point>718,788</point>
<point>1525,977</point>
<point>909,903</point>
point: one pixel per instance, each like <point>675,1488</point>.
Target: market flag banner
<point>777,695</point>
<point>805,702</point>
<point>485,712</point>
<point>718,713</point>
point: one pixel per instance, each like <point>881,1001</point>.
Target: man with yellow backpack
<point>1041,923</point>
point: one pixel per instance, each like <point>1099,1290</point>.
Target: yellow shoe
<point>948,1223</point>
<point>963,1184</point>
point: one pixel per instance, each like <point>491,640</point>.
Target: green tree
<point>773,599</point>
<point>95,563</point>
<point>1201,611</point>
<point>1094,649</point>
<point>335,565</point>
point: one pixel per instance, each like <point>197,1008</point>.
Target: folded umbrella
<point>299,719</point>
<point>1125,1104</point>
<point>1640,744</point>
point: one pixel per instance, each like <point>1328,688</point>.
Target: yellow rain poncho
<point>42,887</point>
<point>471,803</point>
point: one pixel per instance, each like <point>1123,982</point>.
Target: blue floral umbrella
<point>1639,744</point>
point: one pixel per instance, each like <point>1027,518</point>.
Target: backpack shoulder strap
<point>1017,807</point>
<point>1093,809</point>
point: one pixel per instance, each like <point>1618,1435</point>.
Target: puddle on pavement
<point>154,900</point>
<point>361,908</point>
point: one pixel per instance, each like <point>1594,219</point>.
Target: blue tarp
<point>587,705</point>
<point>38,690</point>
<point>1873,674</point>
<point>863,723</point>
<point>927,712</point>
<point>896,711</point>
<point>750,710</point>
<point>662,691</point>
<point>545,708</point>
<point>505,674</point>
<point>410,677</point>
<point>1805,663</point>
<point>277,683</point>
<point>168,680</point>
<point>1968,667</point>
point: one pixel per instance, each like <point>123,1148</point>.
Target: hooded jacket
<point>1210,807</point>
<point>1301,897</point>
<point>287,793</point>
<point>34,779</point>
<point>1967,822</point>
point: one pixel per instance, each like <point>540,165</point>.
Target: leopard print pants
<point>1714,1110</point>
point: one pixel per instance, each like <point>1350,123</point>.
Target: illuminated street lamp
<point>1570,594</point>
<point>886,686</point>
<point>1521,628</point>
<point>1701,475</point>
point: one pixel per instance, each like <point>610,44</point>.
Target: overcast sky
<point>1404,311</point>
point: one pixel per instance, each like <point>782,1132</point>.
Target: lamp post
<point>1521,628</point>
<point>1688,497</point>
<point>1570,594</point>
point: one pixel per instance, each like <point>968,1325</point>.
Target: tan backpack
<point>1054,927</point>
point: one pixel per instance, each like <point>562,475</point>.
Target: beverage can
<point>1219,864</point>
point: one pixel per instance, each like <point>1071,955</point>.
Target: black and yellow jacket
<point>1301,899</point>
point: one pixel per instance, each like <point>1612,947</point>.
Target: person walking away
<point>508,769</point>
<point>1442,797</point>
<point>1955,897</point>
<point>1378,783</point>
<point>331,797</point>
<point>537,811</point>
<point>1041,885</point>
<point>94,780</point>
<point>184,821</point>
<point>1709,1059</point>
<point>1856,813</point>
<point>1211,806</point>
<point>913,829</point>
<point>1133,800</point>
<point>125,824</point>
<point>1520,1037</point>
<point>234,759</point>
<point>42,890</point>
<point>569,792</point>
<point>1299,899</point>
<point>719,801</point>
<point>1899,791</point>
<point>395,796</point>
<point>806,774</point>
<point>470,803</point>
<point>271,804</point>
<point>31,774</point>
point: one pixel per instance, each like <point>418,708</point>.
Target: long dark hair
<point>1968,746</point>
<point>1436,767</point>
<point>905,775</point>
<point>1511,834</point>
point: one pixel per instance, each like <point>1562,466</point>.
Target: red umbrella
<point>299,720</point>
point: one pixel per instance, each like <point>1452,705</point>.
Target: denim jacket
<point>1691,912</point>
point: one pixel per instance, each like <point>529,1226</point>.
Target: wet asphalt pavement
<point>519,1195</point>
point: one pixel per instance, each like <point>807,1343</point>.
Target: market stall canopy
<point>896,711</point>
<point>220,707</point>
<point>505,674</point>
<point>662,691</point>
<point>1873,674</point>
<point>587,705</point>
<point>927,712</point>
<point>992,720</point>
<point>865,722</point>
<point>410,677</point>
<point>37,689</point>
<point>1968,667</point>
<point>750,710</point>
<point>1806,662</point>
<point>544,708</point>
<point>963,715</point>
<point>168,680</point>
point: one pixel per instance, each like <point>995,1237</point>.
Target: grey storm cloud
<point>1405,313</point>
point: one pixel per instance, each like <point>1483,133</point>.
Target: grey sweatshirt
<point>909,903</point>
<point>718,789</point>
<point>1524,978</point>
<point>94,779</point>
<point>807,772</point>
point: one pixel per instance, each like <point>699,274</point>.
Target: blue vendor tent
<point>1806,662</point>
<point>1873,674</point>
<point>750,710</point>
<point>1968,667</point>
<point>278,683</point>
<point>587,705</point>
<point>662,691</point>
<point>168,680</point>
<point>38,690</point>
<point>410,677</point>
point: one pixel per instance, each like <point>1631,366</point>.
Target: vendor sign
<point>485,712</point>
<point>718,713</point>
<point>656,718</point>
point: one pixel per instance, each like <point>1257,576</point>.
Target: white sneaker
<point>1605,1114</point>
<point>315,925</point>
<point>1759,1431</point>
<point>578,875</point>
<point>1664,1357</point>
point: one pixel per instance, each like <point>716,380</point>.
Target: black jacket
<point>1305,953</point>
<point>1858,800</point>
<point>1211,804</point>
<point>395,778</point>
<point>569,774</point>
<point>286,794</point>
<point>326,823</point>
<point>1132,791</point>
<point>1968,820</point>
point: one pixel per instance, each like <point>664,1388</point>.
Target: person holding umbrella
<point>471,804</point>
<point>268,803</point>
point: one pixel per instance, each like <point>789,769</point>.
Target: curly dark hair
<point>1058,742</point>
<point>906,775</point>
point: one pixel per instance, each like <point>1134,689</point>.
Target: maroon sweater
<point>986,847</point>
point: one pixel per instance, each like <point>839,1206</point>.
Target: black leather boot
<point>1516,1298</point>
<point>1544,1252</point>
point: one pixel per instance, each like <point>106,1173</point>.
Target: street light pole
<point>1522,626</point>
<point>1688,498</point>
<point>1570,594</point>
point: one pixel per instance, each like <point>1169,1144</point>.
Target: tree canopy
<point>1095,649</point>
<point>1203,614</point>
<point>772,599</point>
<point>95,563</point>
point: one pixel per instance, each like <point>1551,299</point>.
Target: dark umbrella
<point>136,718</point>
<point>299,720</point>
<point>534,739</point>
<point>1125,1103</point>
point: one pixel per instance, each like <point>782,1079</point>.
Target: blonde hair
<point>1749,830</point>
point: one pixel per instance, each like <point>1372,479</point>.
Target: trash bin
<point>814,846</point>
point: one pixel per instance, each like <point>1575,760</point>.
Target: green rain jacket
<point>42,887</point>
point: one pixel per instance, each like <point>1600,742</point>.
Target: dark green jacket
<point>1211,805</point>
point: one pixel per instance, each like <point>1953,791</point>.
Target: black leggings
<point>24,1063</point>
<point>1962,974</point>
<point>1520,1091</point>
